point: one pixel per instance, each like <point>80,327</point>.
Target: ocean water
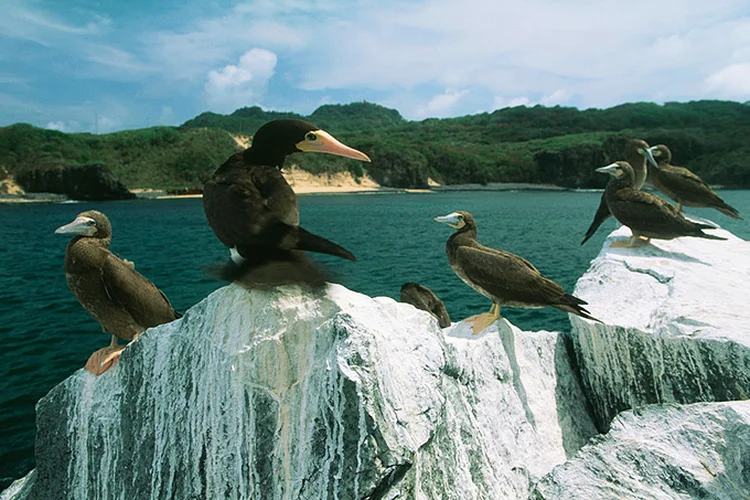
<point>45,335</point>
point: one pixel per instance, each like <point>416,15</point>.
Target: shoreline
<point>309,190</point>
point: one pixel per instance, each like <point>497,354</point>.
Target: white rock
<point>675,329</point>
<point>662,452</point>
<point>286,395</point>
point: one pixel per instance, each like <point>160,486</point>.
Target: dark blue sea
<point>45,335</point>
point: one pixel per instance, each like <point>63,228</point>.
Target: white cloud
<point>242,85</point>
<point>441,105</point>
<point>732,81</point>
<point>58,125</point>
<point>500,102</point>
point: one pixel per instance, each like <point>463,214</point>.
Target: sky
<point>101,66</point>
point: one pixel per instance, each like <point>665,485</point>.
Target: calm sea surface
<point>45,335</point>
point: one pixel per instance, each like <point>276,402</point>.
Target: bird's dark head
<point>460,220</point>
<point>279,138</point>
<point>661,153</point>
<point>619,170</point>
<point>91,223</point>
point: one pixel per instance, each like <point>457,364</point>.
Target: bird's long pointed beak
<point>646,152</point>
<point>326,143</point>
<point>450,219</point>
<point>78,226</point>
<point>610,169</point>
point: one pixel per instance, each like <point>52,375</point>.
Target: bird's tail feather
<point>573,305</point>
<point>730,211</point>
<point>707,236</point>
<point>314,243</point>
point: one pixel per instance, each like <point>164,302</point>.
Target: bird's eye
<point>310,136</point>
<point>91,223</point>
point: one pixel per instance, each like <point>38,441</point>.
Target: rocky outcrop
<point>675,324</point>
<point>292,394</point>
<point>282,394</point>
<point>78,182</point>
<point>662,452</point>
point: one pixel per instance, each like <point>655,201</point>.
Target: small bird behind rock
<point>425,299</point>
<point>123,301</point>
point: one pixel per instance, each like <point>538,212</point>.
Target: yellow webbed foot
<point>103,359</point>
<point>634,241</point>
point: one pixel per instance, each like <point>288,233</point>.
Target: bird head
<point>618,170</point>
<point>279,138</point>
<point>457,220</point>
<point>662,153</point>
<point>91,223</point>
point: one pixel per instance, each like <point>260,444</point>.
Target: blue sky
<point>109,65</point>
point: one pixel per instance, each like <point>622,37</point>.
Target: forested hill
<point>556,145</point>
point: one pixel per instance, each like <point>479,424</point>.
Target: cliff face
<point>78,182</point>
<point>675,324</point>
<point>284,395</point>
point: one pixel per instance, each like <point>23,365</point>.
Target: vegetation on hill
<point>553,145</point>
<point>157,157</point>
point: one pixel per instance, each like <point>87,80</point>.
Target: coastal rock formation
<point>282,394</point>
<point>289,394</point>
<point>674,325</point>
<point>78,182</point>
<point>664,451</point>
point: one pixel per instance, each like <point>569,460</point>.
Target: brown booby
<point>425,299</point>
<point>647,215</point>
<point>503,277</point>
<point>683,186</point>
<point>122,300</point>
<point>253,210</point>
<point>636,153</point>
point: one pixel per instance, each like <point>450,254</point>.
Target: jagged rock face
<point>675,324</point>
<point>78,182</point>
<point>279,394</point>
<point>662,452</point>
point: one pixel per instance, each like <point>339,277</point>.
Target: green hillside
<point>556,145</point>
<point>551,145</point>
<point>158,157</point>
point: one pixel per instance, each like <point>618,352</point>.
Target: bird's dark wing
<point>602,214</point>
<point>133,292</point>
<point>642,210</point>
<point>248,206</point>
<point>507,276</point>
<point>685,183</point>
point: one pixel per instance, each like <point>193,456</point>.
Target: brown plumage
<point>646,214</point>
<point>683,186</point>
<point>423,298</point>
<point>253,210</point>
<point>123,301</point>
<point>503,277</point>
<point>636,153</point>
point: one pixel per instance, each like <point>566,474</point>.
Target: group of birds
<point>252,210</point>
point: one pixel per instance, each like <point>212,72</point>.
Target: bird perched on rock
<point>503,277</point>
<point>253,210</point>
<point>647,215</point>
<point>637,152</point>
<point>121,299</point>
<point>425,299</point>
<point>682,185</point>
